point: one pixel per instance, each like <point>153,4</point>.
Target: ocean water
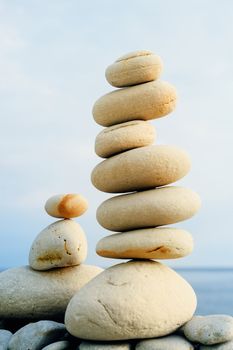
<point>214,289</point>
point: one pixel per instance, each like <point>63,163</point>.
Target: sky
<point>53,55</point>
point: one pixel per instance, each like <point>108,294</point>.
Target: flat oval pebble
<point>5,337</point>
<point>61,244</point>
<point>29,294</point>
<point>223,346</point>
<point>66,205</point>
<point>157,207</point>
<point>146,101</point>
<point>137,299</point>
<point>123,137</point>
<point>104,346</point>
<point>141,168</point>
<point>134,68</point>
<point>171,342</point>
<point>60,345</point>
<point>209,330</point>
<point>35,336</point>
<point>151,243</point>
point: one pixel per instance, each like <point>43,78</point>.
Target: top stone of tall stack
<point>134,68</point>
<point>143,96</point>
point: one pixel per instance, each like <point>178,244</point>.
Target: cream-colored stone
<point>157,207</point>
<point>209,330</point>
<point>61,244</point>
<point>141,168</point>
<point>151,243</point>
<point>123,137</point>
<point>171,342</point>
<point>134,68</point>
<point>66,205</point>
<point>29,294</point>
<point>138,299</point>
<point>146,101</point>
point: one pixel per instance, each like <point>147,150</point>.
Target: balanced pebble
<point>146,101</point>
<point>157,207</point>
<point>60,345</point>
<point>209,330</point>
<point>171,342</point>
<point>104,346</point>
<point>134,68</point>
<point>223,346</point>
<point>35,336</point>
<point>61,244</point>
<point>29,294</point>
<point>151,243</point>
<point>66,206</point>
<point>123,137</point>
<point>137,299</point>
<point>141,168</point>
<point>5,337</point>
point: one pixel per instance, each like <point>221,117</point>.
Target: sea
<point>214,289</point>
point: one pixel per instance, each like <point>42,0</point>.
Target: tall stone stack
<point>141,298</point>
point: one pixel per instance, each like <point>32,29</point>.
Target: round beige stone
<point>146,101</point>
<point>61,244</point>
<point>171,342</point>
<point>141,168</point>
<point>137,299</point>
<point>66,205</point>
<point>29,294</point>
<point>123,137</point>
<point>157,207</point>
<point>134,68</point>
<point>151,243</point>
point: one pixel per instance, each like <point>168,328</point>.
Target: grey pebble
<point>35,336</point>
<point>170,342</point>
<point>5,337</point>
<point>224,346</point>
<point>60,345</point>
<point>103,346</point>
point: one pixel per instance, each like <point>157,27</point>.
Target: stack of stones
<point>42,290</point>
<point>141,298</point>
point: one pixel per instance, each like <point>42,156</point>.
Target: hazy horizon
<point>52,61</point>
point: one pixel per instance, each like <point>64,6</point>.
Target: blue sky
<point>53,55</point>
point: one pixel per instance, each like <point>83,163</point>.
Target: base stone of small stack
<point>104,346</point>
<point>209,330</point>
<point>61,244</point>
<point>137,299</point>
<point>29,294</point>
<point>171,342</point>
<point>151,243</point>
<point>123,137</point>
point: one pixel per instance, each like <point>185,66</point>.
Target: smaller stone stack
<point>141,298</point>
<point>63,243</point>
<point>56,271</point>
